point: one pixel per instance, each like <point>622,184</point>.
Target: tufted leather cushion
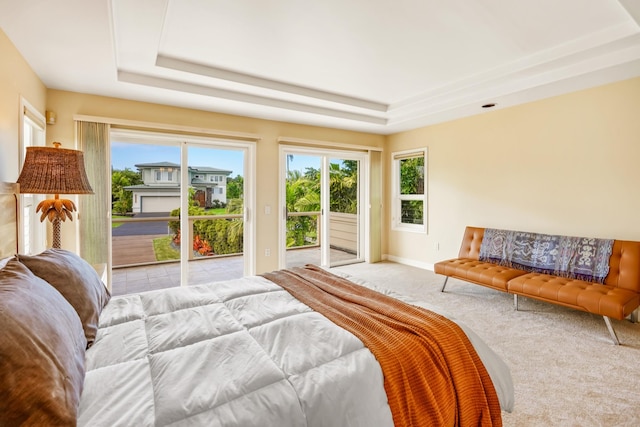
<point>42,348</point>
<point>624,266</point>
<point>76,280</point>
<point>591,297</point>
<point>483,273</point>
<point>471,242</point>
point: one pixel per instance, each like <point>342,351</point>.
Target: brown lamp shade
<point>49,170</point>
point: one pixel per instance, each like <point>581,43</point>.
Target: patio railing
<point>343,231</point>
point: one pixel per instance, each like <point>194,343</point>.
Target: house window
<point>164,175</point>
<point>409,201</point>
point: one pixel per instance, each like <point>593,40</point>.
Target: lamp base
<point>56,210</point>
<point>57,243</point>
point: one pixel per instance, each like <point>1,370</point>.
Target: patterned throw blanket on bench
<point>432,374</point>
<point>580,258</point>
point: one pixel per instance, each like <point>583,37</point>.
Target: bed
<point>243,352</point>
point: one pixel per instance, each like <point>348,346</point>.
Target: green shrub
<point>225,236</point>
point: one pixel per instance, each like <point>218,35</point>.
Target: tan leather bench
<point>618,297</point>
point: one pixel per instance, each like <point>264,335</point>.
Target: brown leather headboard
<point>8,219</point>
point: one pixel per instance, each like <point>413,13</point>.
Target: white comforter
<point>236,353</point>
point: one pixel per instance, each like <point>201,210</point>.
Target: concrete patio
<point>126,280</point>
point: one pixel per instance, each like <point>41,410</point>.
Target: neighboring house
<point>160,191</point>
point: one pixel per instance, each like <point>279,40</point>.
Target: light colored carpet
<point>565,369</point>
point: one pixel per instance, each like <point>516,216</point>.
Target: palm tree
<point>343,187</point>
<point>302,195</point>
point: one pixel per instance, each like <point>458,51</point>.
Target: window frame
<point>398,198</point>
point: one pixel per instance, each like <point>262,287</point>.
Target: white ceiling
<point>368,65</point>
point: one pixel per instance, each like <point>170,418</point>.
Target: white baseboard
<point>407,261</point>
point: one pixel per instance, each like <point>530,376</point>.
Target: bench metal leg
<point>614,337</point>
<point>445,283</point>
<point>515,301</point>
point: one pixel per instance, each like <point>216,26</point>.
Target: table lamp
<point>54,170</point>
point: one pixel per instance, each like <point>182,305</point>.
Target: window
<point>33,239</point>
<point>164,175</point>
<point>409,201</point>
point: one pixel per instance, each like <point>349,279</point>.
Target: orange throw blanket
<point>432,374</point>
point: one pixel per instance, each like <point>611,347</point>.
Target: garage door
<point>159,204</point>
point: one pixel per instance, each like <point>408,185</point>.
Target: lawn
<point>218,211</point>
<point>163,249</point>
<point>117,224</point>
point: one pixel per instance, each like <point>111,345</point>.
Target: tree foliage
<point>412,182</point>
<point>303,195</point>
<point>412,175</point>
<point>121,199</point>
<point>235,187</point>
<point>343,187</point>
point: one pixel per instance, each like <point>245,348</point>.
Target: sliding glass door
<point>157,177</point>
<point>344,222</point>
<point>145,194</point>
<point>323,222</point>
<point>302,209</point>
<point>216,213</point>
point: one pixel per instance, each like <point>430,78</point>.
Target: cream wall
<point>17,80</point>
<point>565,165</point>
<point>68,104</point>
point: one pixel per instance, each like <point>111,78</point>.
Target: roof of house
<point>196,169</point>
<point>206,169</point>
<point>152,188</point>
<point>157,165</point>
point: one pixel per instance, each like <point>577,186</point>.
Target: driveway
<point>143,228</point>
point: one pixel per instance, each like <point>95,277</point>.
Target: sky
<point>127,155</point>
